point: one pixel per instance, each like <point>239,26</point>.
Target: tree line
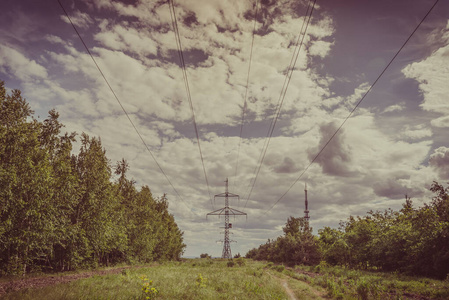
<point>412,241</point>
<point>61,211</point>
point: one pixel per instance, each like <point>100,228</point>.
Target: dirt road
<point>37,282</point>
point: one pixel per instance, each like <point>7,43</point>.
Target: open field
<point>222,279</point>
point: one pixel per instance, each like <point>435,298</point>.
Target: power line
<point>246,90</point>
<point>287,80</point>
<point>187,87</point>
<point>355,107</point>
<point>119,102</point>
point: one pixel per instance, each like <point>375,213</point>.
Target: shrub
<point>363,289</point>
<point>149,292</point>
<point>200,281</point>
<point>279,268</point>
<point>240,261</point>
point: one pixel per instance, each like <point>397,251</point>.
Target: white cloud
<point>416,132</point>
<point>55,39</point>
<point>15,63</point>
<point>395,107</point>
<point>79,19</point>
<point>320,48</point>
<point>431,74</point>
<point>123,38</point>
<point>442,122</point>
<point>439,160</point>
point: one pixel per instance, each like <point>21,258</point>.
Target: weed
<point>363,289</point>
<point>253,288</point>
<point>231,263</point>
<point>148,291</point>
<point>200,281</point>
<point>279,268</point>
<point>240,261</point>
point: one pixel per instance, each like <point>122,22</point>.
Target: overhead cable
<point>355,107</point>
<point>187,87</point>
<point>246,90</point>
<point>287,79</point>
<point>123,109</point>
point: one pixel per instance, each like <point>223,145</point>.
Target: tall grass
<point>195,279</point>
<point>343,283</point>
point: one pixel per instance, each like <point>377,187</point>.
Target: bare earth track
<point>38,282</point>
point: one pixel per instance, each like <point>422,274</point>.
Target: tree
<point>297,246</point>
<point>333,246</point>
<point>63,211</point>
<point>27,215</point>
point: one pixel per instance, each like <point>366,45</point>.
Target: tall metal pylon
<point>226,211</point>
<point>306,211</point>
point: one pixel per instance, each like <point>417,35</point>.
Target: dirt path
<point>288,290</point>
<point>306,291</point>
<point>284,283</point>
<point>37,282</point>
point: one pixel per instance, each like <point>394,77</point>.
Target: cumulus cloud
<point>441,122</point>
<point>127,39</point>
<point>20,66</point>
<point>416,132</point>
<point>336,157</point>
<point>431,74</point>
<point>320,48</point>
<point>439,160</point>
<point>79,19</point>
<point>286,166</point>
<point>395,107</point>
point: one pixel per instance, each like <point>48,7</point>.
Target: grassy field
<point>193,279</point>
<point>342,283</point>
<point>239,279</point>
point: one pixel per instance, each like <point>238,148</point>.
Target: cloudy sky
<point>394,144</point>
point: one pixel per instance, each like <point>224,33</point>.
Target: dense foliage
<point>61,211</point>
<point>413,241</point>
<point>297,246</point>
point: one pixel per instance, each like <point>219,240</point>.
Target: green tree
<point>333,246</point>
<point>96,213</point>
<point>297,246</point>
<point>63,211</point>
<point>27,215</point>
<point>64,186</point>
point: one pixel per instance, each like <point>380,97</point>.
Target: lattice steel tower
<point>226,211</point>
<point>306,212</point>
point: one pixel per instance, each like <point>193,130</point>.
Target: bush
<point>240,261</point>
<point>363,289</point>
<point>279,268</point>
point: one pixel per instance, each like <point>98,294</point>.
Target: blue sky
<point>394,144</point>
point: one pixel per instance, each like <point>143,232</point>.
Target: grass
<point>194,279</point>
<point>242,279</point>
<point>343,283</point>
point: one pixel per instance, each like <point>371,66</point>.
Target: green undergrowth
<point>192,279</point>
<point>344,283</point>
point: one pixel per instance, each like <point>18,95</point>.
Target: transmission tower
<point>226,211</point>
<point>306,212</point>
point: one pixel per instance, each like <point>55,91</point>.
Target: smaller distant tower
<point>306,212</point>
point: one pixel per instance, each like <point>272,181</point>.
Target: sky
<point>395,143</point>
